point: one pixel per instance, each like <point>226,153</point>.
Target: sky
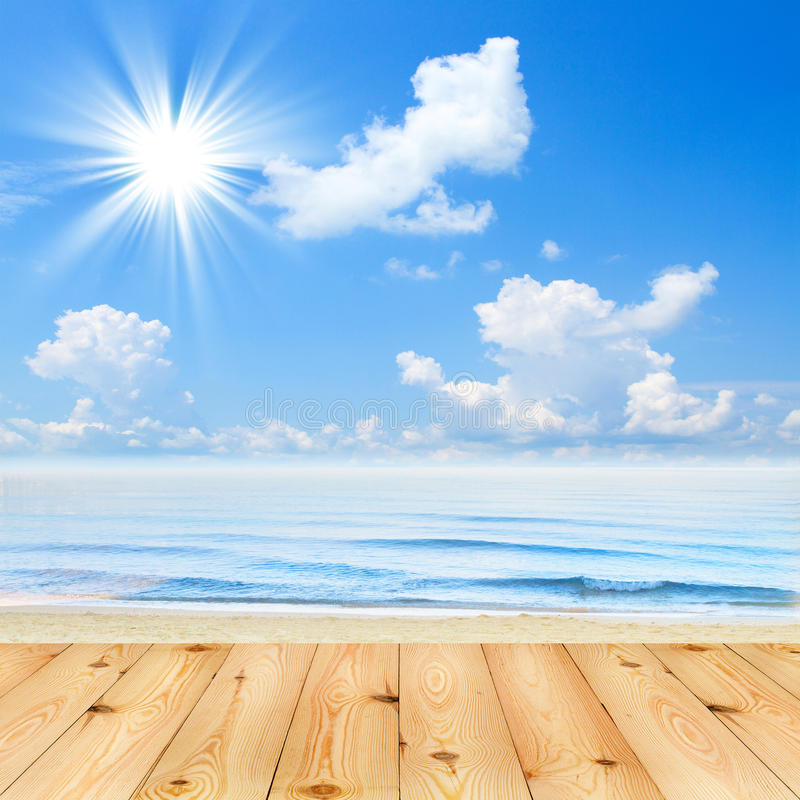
<point>399,232</point>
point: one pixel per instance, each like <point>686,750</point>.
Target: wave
<point>521,547</point>
<point>605,585</point>
<point>327,587</point>
<point>589,585</point>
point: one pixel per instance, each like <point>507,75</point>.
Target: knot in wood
<point>179,782</point>
<point>100,709</point>
<point>630,664</point>
<point>323,790</point>
<point>722,709</point>
<point>605,762</point>
<point>385,698</point>
<point>197,648</point>
<point>444,755</point>
<point>98,664</point>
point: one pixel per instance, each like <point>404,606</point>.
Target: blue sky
<point>642,142</point>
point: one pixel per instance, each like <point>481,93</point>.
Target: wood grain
<point>685,748</point>
<point>454,739</point>
<point>18,661</point>
<point>110,749</point>
<point>781,662</point>
<point>37,711</point>
<point>568,746</point>
<point>230,743</point>
<point>757,710</point>
<point>343,741</point>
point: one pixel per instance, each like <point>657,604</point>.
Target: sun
<point>173,171</point>
<point>176,163</point>
<point>173,162</point>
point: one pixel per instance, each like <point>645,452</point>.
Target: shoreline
<point>87,623</point>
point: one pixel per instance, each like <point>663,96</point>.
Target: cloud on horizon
<point>578,366</point>
<point>588,362</point>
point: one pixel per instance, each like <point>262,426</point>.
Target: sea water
<point>714,541</point>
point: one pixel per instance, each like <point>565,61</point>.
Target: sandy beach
<point>82,624</point>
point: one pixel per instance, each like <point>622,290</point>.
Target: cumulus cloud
<point>789,429</point>
<point>551,251</point>
<point>12,441</point>
<point>545,320</point>
<point>471,112</point>
<point>116,355</point>
<point>765,399</point>
<point>586,361</point>
<point>657,405</point>
<point>580,379</point>
<point>81,430</point>
<point>675,293</point>
<point>416,370</point>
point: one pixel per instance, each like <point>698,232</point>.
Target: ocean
<point>612,540</point>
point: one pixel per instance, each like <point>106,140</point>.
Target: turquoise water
<point>719,541</point>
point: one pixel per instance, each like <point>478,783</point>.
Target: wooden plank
<point>685,748</point>
<point>781,662</point>
<point>37,711</point>
<point>18,661</point>
<point>567,744</point>
<point>454,739</point>
<point>343,740</point>
<point>756,709</point>
<point>110,749</point>
<point>230,743</point>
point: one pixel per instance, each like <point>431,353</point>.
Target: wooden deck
<point>416,721</point>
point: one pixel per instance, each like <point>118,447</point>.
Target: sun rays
<point>170,164</point>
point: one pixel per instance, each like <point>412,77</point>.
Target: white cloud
<point>575,364</point>
<point>551,251</point>
<point>471,112</point>
<point>789,429</point>
<point>656,405</point>
<point>400,268</point>
<point>492,265</point>
<point>545,320</point>
<point>273,438</point>
<point>81,430</point>
<point>112,353</point>
<point>537,319</point>
<point>419,370</point>
<point>765,399</point>
<point>675,293</point>
<point>586,362</point>
<point>792,421</point>
<point>12,441</point>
